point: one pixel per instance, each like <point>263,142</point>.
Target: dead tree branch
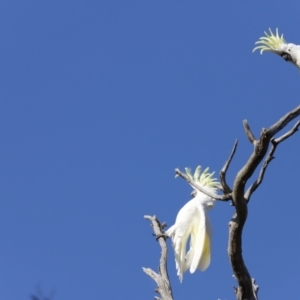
<point>246,289</point>
<point>249,133</point>
<point>161,278</point>
<point>288,134</point>
<point>260,178</point>
<point>226,188</point>
<point>268,159</point>
<point>274,129</point>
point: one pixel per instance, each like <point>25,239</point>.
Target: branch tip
<point>161,278</point>
<point>225,187</point>
<point>249,133</point>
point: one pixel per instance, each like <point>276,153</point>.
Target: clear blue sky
<point>100,102</point>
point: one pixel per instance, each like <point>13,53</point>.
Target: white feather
<point>192,223</point>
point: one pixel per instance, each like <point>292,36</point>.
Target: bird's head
<point>206,180</point>
<point>272,43</point>
<point>292,54</point>
<point>276,43</point>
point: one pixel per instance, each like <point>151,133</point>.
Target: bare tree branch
<point>226,188</point>
<point>269,158</point>
<point>260,178</point>
<point>162,279</point>
<point>249,133</point>
<point>225,197</point>
<point>288,134</point>
<point>246,288</point>
<point>284,121</point>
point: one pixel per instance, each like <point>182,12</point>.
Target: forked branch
<point>269,158</point>
<point>246,289</point>
<point>161,278</point>
<point>223,172</point>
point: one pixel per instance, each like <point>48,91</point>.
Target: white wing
<point>180,233</point>
<point>191,222</point>
<point>198,256</point>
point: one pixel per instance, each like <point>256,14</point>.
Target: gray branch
<point>249,133</point>
<point>226,188</point>
<point>274,129</point>
<point>269,158</point>
<point>260,178</point>
<point>288,134</point>
<point>161,278</point>
<point>246,287</point>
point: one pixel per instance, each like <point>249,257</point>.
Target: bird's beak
<point>286,56</point>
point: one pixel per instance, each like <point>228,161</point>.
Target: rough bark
<point>247,290</point>
<point>161,278</point>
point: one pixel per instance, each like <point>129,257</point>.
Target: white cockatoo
<point>277,44</point>
<point>192,223</point>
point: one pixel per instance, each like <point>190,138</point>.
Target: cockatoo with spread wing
<point>277,44</point>
<point>192,223</point>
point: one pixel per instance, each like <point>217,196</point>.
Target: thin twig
<point>260,178</point>
<point>162,279</point>
<point>213,195</point>
<point>275,128</point>
<point>249,133</point>
<point>226,188</point>
<point>288,134</point>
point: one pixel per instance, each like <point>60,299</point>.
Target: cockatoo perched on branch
<point>192,223</point>
<point>277,44</point>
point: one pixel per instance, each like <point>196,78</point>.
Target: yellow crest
<point>270,42</point>
<point>205,178</point>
